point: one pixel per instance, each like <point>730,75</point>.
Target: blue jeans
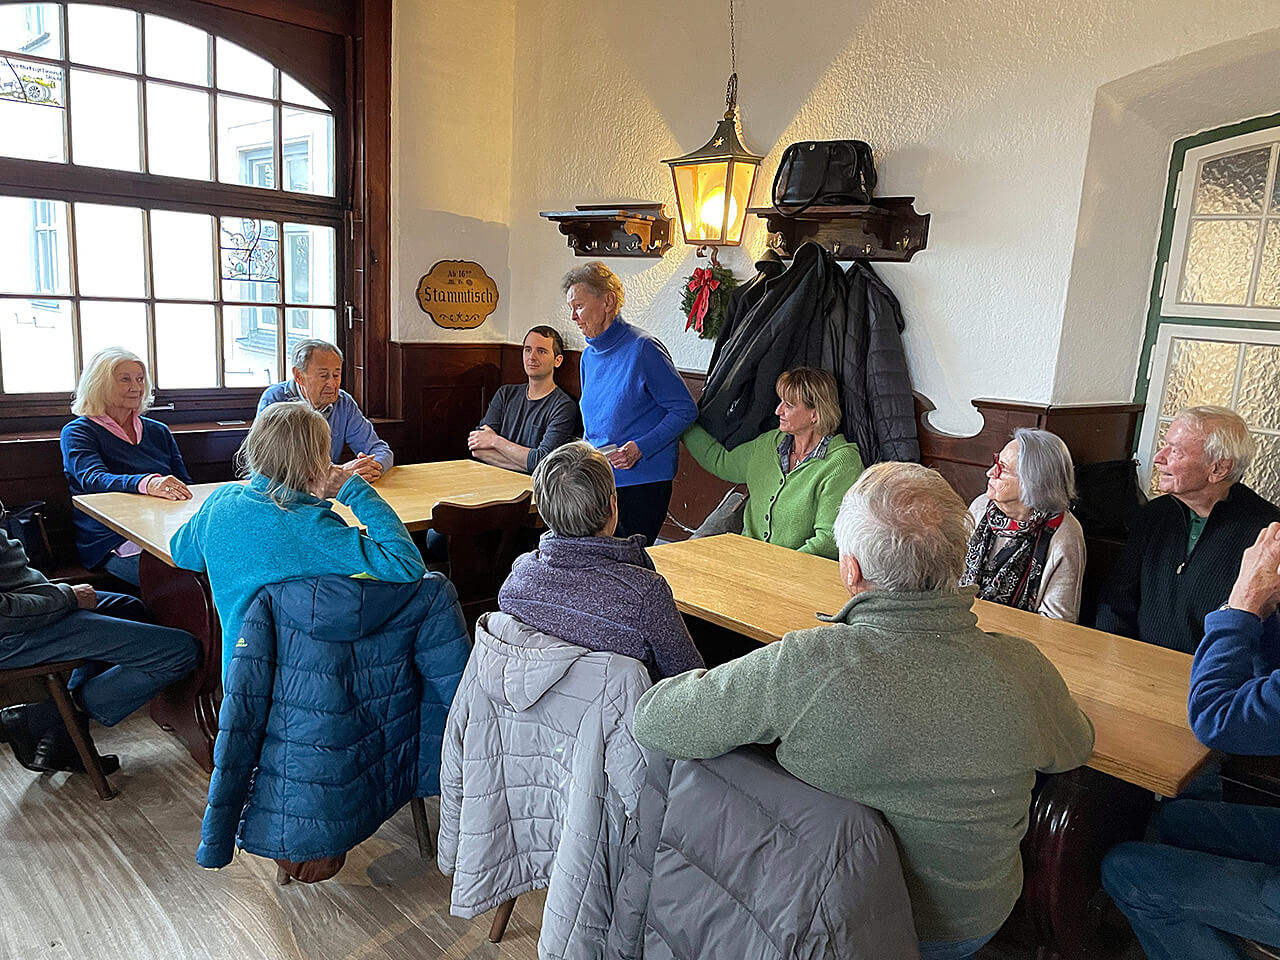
<point>1215,873</point>
<point>132,660</point>
<point>126,568</point>
<point>952,949</point>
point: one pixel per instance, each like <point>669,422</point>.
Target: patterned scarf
<point>1012,575</point>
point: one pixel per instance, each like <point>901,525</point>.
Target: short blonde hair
<point>815,389</point>
<point>289,445</point>
<point>573,489</point>
<point>95,381</point>
<point>597,278</point>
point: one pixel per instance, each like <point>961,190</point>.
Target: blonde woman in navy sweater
<point>111,448</point>
<point>634,403</point>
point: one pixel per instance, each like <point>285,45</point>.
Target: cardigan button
<point>766,536</point>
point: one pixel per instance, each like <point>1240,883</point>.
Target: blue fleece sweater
<point>1234,704</point>
<point>632,392</point>
<point>95,460</point>
<point>244,541</point>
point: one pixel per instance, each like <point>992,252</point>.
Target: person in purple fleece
<point>583,585</point>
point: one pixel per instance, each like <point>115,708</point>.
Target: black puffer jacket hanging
<point>815,315</point>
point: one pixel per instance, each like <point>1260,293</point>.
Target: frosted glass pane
<point>186,346</point>
<point>292,91</point>
<point>107,323</point>
<point>308,264</point>
<point>1200,371</point>
<point>104,121</point>
<point>35,346</point>
<point>34,247</point>
<point>1259,402</point>
<point>246,142</point>
<point>178,132</point>
<point>175,51</point>
<point>33,28</point>
<point>103,36</point>
<point>182,261</point>
<point>32,104</point>
<point>244,72</point>
<point>1233,184</point>
<point>109,251</point>
<point>1268,292</point>
<point>1219,261</point>
<point>1153,484</point>
<point>249,345</point>
<point>307,163</point>
<point>1263,475</point>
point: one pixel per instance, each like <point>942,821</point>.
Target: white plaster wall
<point>982,109</point>
<point>1136,120</point>
<point>452,97</point>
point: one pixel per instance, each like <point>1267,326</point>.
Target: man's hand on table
<point>365,466</point>
<point>1257,588</point>
<point>86,596</point>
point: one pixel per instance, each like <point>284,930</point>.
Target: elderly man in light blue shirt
<point>317,378</point>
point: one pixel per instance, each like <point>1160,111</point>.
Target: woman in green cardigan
<point>796,475</point>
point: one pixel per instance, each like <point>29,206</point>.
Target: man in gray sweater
<point>43,622</point>
<point>901,703</point>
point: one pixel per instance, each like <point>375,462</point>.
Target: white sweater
<point>1059,595</point>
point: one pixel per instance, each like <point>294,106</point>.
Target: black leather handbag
<point>823,173</point>
<point>25,523</point>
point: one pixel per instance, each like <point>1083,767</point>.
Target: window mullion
<point>73,285</point>
<point>1259,245</point>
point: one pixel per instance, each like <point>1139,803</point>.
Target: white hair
<point>1226,437</point>
<point>906,527</point>
<point>1046,475</point>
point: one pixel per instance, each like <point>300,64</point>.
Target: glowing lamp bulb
<point>712,210</point>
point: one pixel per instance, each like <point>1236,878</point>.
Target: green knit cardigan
<point>796,510</point>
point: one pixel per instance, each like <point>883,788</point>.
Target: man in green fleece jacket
<point>901,703</point>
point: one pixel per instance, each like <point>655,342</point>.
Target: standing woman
<point>632,399</point>
<point>111,447</point>
<point>1027,550</point>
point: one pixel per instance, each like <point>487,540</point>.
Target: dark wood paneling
<point>1092,432</point>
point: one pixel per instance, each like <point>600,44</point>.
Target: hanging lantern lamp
<point>713,184</point>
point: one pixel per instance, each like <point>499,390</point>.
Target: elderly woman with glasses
<point>110,447</point>
<point>1027,550</point>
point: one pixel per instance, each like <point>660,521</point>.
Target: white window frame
<point>1175,268</point>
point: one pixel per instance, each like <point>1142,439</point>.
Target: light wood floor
<point>81,879</point>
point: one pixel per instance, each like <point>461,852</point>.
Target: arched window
<point>175,193</point>
<point>1213,332</point>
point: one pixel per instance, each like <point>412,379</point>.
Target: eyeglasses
<point>1000,469</point>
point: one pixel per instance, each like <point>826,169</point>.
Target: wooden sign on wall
<point>458,294</point>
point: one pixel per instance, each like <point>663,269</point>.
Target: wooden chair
<point>55,676</point>
<point>483,542</point>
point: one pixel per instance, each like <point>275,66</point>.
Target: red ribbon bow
<point>704,283</point>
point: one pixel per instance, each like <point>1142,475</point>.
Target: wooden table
<point>411,490</point>
<point>181,598</point>
<point>1135,694</point>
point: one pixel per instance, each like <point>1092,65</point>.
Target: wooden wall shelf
<point>887,229</point>
<point>615,229</point>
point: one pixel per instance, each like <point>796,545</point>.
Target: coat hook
<point>708,250</point>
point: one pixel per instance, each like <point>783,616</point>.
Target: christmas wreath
<point>706,299</point>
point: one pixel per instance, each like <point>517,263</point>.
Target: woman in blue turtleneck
<point>632,399</point>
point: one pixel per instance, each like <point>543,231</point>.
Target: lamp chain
<point>731,93</point>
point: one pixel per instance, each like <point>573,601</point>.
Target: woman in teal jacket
<point>279,525</point>
<point>796,475</point>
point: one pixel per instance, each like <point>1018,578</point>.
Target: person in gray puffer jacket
<point>540,777</point>
<point>800,875</point>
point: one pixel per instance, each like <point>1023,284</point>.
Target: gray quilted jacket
<point>539,780</point>
<point>736,858</point>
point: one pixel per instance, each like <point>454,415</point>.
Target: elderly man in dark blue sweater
<point>1216,874</point>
